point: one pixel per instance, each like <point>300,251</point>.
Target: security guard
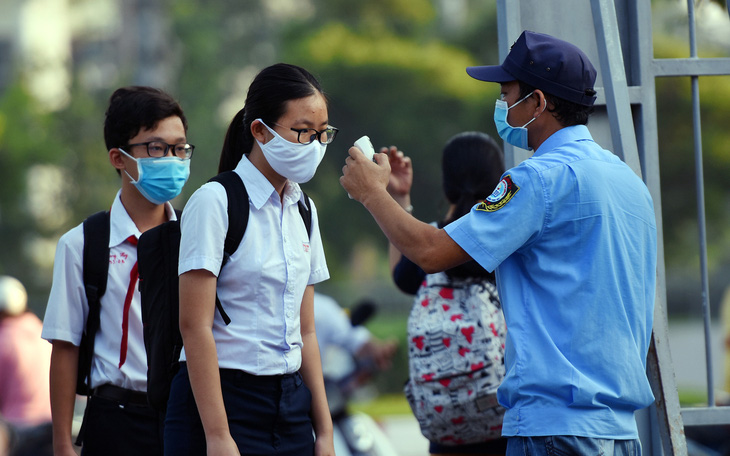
<point>571,233</point>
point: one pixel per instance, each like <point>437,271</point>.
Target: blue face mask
<point>517,136</point>
<point>160,179</point>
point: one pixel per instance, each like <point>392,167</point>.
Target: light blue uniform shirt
<point>262,285</point>
<point>571,233</point>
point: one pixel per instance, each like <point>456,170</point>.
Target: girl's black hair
<point>472,165</point>
<point>267,97</point>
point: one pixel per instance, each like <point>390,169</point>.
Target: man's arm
<point>64,363</point>
<point>427,246</point>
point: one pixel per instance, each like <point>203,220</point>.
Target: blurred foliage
<point>677,163</point>
<point>392,70</point>
<point>406,91</point>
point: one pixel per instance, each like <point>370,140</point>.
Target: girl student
<point>255,386</point>
<point>460,298</point>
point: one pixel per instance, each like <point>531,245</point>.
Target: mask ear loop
<point>139,168</point>
<point>520,100</point>
<point>543,109</point>
<point>273,132</point>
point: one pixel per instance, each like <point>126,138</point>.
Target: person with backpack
<point>93,318</point>
<point>252,383</point>
<point>456,329</point>
<point>572,235</point>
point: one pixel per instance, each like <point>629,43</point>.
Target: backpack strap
<point>95,272</point>
<point>238,208</point>
<point>305,210</point>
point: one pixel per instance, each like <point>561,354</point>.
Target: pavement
<point>405,435</point>
<point>687,347</point>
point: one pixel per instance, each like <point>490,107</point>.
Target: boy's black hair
<point>134,108</point>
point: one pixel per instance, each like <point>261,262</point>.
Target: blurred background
<point>392,69</point>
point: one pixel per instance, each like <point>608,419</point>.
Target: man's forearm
<point>427,246</point>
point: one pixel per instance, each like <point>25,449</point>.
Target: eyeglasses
<point>307,135</point>
<point>157,149</point>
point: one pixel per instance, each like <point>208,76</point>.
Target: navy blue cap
<point>546,63</point>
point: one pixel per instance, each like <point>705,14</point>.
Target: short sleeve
<point>334,327</point>
<point>319,271</point>
<point>203,228</point>
<point>66,312</point>
<point>508,219</point>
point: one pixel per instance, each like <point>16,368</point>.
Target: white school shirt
<point>262,285</point>
<point>68,307</point>
<point>334,327</point>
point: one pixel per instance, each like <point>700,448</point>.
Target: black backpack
<point>95,272</point>
<point>157,261</point>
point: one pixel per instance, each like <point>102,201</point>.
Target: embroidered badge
<point>504,192</point>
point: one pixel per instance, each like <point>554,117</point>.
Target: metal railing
<point>626,122</point>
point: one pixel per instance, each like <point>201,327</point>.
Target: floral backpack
<point>456,334</point>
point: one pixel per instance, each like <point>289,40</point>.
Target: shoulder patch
<point>501,195</point>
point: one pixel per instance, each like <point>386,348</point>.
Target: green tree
<point>49,164</point>
<point>392,72</point>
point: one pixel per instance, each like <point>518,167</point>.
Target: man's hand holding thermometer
<point>367,169</point>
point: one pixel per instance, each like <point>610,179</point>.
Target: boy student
<point>145,134</point>
<point>572,235</point>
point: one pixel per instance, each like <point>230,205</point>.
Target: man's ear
<point>540,100</point>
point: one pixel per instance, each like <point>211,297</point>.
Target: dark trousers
<point>112,428</point>
<point>267,415</point>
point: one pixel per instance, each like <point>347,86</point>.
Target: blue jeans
<point>568,445</point>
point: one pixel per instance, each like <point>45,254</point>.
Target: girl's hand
<point>401,173</point>
<point>324,446</point>
<point>222,446</point>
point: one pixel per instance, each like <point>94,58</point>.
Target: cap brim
<point>490,73</point>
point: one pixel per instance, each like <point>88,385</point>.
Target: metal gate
<point>617,37</point>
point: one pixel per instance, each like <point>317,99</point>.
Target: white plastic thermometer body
<point>366,147</point>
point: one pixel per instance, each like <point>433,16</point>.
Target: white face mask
<point>297,162</point>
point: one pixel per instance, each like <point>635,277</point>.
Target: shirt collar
<point>562,136</point>
<point>260,189</point>
<point>121,224</point>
